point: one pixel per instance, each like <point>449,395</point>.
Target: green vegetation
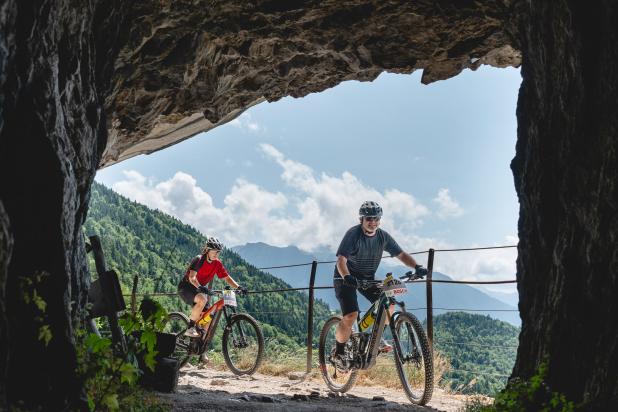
<point>110,376</point>
<point>157,247</point>
<point>476,343</point>
<point>522,396</point>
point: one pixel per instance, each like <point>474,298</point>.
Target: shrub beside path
<point>211,389</point>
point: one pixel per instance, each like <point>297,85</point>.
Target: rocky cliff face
<point>87,84</point>
<point>55,65</point>
<point>566,175</point>
<point>190,66</point>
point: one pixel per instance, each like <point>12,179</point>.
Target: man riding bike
<point>358,258</point>
<point>202,270</point>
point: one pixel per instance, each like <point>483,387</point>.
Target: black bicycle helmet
<point>214,243</point>
<point>370,209</point>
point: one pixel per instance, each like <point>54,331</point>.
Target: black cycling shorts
<point>348,299</point>
<point>187,292</point>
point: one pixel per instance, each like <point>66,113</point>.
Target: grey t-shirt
<point>365,252</point>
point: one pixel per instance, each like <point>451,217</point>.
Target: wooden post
<point>107,280</point>
<point>314,266</point>
<point>430,298</point>
<point>133,293</point>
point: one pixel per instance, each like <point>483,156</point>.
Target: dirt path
<point>201,389</point>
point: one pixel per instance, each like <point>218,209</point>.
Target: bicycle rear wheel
<point>413,358</point>
<point>177,323</point>
<point>336,380</point>
<point>243,344</point>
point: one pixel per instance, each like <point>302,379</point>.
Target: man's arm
<point>407,259</point>
<point>342,266</point>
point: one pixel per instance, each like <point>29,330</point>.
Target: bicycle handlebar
<point>409,276</point>
<point>366,284</point>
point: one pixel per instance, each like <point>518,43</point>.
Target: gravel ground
<point>208,389</point>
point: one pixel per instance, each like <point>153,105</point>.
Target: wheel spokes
<point>413,365</point>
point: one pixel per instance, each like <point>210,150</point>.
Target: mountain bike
<point>242,341</point>
<point>412,353</point>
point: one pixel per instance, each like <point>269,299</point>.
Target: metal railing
<point>429,281</point>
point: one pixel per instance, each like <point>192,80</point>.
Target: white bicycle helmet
<point>214,243</point>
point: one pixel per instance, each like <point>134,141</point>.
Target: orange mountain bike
<point>242,341</point>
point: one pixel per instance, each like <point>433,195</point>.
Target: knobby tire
<point>427,355</point>
<point>238,319</point>
<point>324,353</point>
<point>181,350</point>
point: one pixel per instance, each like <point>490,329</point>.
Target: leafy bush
<point>522,396</point>
<point>110,375</point>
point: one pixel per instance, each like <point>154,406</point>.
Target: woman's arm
<point>193,278</point>
<point>231,282</point>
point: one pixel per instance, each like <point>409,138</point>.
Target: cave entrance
<point>436,155</point>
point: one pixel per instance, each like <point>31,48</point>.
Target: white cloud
<point>315,212</point>
<point>475,265</point>
<point>483,265</point>
<point>448,206</point>
<point>246,123</point>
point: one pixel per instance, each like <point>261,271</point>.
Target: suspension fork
<point>391,323</point>
<point>396,335</point>
<point>239,332</point>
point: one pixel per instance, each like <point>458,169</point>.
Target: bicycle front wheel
<point>177,323</point>
<point>413,358</point>
<point>243,344</point>
<point>336,380</point>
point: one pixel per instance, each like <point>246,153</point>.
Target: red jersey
<point>206,271</point>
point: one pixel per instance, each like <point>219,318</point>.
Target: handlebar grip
<point>409,275</point>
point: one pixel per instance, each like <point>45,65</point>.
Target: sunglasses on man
<point>372,218</point>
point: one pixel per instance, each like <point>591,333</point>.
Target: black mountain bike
<point>412,353</point>
<point>242,341</point>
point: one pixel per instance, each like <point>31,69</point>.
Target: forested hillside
<point>157,247</point>
<point>476,343</point>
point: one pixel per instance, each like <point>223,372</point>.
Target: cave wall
<point>566,172</point>
<point>87,84</point>
<point>54,69</point>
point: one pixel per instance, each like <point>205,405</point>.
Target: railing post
<point>430,298</point>
<point>314,266</point>
<point>112,315</point>
<point>133,294</point>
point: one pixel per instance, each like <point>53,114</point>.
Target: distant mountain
<point>449,296</point>
<point>510,298</point>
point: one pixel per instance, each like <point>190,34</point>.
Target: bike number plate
<point>229,298</point>
<point>392,292</point>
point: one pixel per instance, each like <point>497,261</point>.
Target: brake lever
<point>408,276</point>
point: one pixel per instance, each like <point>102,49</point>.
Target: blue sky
<point>295,171</point>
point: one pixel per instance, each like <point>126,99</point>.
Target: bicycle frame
<point>220,308</point>
<point>369,356</point>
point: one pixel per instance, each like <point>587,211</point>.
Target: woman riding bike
<point>201,271</point>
